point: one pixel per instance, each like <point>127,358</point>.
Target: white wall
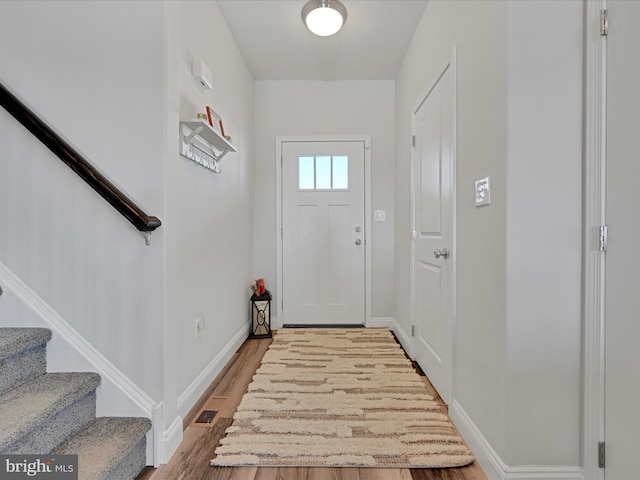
<point>544,209</point>
<point>92,70</point>
<point>517,337</point>
<point>113,78</point>
<point>326,108</point>
<point>208,215</point>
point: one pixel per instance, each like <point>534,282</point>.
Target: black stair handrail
<point>77,163</point>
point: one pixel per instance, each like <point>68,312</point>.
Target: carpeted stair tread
<point>16,340</point>
<point>27,407</point>
<point>103,444</point>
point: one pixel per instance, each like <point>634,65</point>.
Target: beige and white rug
<point>338,398</point>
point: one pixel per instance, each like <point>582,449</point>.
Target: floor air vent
<point>210,412</point>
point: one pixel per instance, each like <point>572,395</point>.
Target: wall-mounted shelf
<point>202,144</point>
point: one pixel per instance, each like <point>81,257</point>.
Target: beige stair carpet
<point>339,397</point>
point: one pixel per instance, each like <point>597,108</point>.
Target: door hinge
<point>604,23</point>
<point>413,140</point>
<point>604,238</point>
<point>281,232</point>
<point>413,330</point>
<point>601,456</point>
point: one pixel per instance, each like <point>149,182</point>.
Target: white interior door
<point>323,237</point>
<point>622,310</point>
<point>433,272</point>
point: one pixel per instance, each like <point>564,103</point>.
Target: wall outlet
<point>200,325</point>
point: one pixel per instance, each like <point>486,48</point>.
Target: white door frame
<point>280,140</point>
<point>594,260</point>
<point>451,65</point>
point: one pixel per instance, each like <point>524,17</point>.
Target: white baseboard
<point>542,472</point>
<point>489,460</point>
<point>170,441</point>
<point>154,436</point>
<point>403,337</point>
<point>193,392</point>
<point>492,464</point>
<point>381,322</point>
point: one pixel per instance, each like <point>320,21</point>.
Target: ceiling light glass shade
<point>324,17</point>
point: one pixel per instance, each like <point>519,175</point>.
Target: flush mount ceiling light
<point>324,17</point>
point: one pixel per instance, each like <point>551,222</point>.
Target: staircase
<point>55,413</point>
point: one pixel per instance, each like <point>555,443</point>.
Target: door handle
<point>441,253</point>
<point>358,242</point>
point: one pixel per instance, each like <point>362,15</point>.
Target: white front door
<point>323,233</point>
<point>622,288</point>
<point>432,209</point>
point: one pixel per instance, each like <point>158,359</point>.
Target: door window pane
<point>306,173</point>
<point>323,173</point>
<point>340,173</point>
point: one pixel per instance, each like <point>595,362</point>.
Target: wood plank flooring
<point>191,460</point>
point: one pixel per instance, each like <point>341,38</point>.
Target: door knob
<point>441,253</point>
<point>358,242</point>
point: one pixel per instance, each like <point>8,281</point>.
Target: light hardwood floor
<point>191,461</point>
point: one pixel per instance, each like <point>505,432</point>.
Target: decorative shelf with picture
<point>203,141</point>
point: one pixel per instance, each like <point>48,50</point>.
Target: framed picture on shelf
<point>214,120</point>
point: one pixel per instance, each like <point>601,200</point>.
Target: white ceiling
<point>277,45</point>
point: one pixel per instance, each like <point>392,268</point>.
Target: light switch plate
<point>379,216</point>
<point>483,191</point>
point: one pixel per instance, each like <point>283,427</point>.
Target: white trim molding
<point>382,322</point>
<point>542,472</point>
<point>492,464</point>
<point>170,441</point>
<point>403,337</point>
<point>64,331</point>
<point>594,259</point>
<point>487,457</point>
<point>155,454</point>
<point>194,391</point>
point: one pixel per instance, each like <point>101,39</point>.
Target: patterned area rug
<point>338,398</point>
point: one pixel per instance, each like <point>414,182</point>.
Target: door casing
<point>277,320</point>
<point>594,260</point>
